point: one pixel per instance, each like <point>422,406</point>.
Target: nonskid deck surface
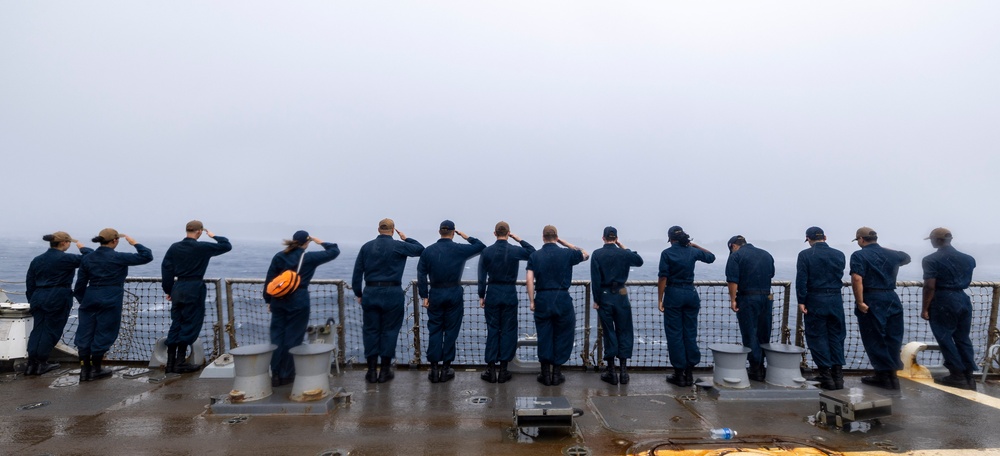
<point>132,415</point>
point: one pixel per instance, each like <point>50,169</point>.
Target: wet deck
<point>468,416</point>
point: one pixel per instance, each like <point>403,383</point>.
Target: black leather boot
<point>490,374</point>
<point>434,376</point>
<point>385,374</point>
<point>171,360</point>
<point>954,380</point>
<point>504,375</point>
<point>31,368</point>
<point>372,375</point>
<point>881,379</point>
<point>970,379</point>
<point>609,375</point>
<point>96,371</point>
<point>446,373</point>
<point>622,371</point>
<point>756,372</point>
<point>688,376</point>
<point>44,366</point>
<point>85,368</point>
<point>184,367</point>
<point>545,376</point>
<point>837,374</point>
<point>557,376</point>
<point>677,378</point>
<point>825,378</point>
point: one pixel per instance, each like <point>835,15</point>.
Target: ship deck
<point>410,415</point>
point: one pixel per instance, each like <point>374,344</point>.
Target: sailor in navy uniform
<point>819,272</point>
<point>877,306</point>
<point>550,274</point>
<point>748,272</point>
<point>680,303</point>
<point>183,273</point>
<point>378,275</point>
<point>946,305</point>
<point>441,266</point>
<point>100,288</point>
<point>609,268</point>
<point>498,298</point>
<point>290,313</point>
<point>48,286</point>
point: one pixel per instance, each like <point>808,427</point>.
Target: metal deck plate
<point>278,403</point>
<point>760,391</point>
<point>646,414</point>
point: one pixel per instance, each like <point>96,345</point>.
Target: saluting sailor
<point>680,303</point>
<point>183,273</point>
<point>441,266</point>
<point>498,297</point>
<point>609,268</point>
<point>549,276</point>
<point>378,275</point>
<point>48,286</point>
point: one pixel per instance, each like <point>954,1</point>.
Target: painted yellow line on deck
<point>973,396</point>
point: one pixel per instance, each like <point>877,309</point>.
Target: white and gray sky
<point>758,118</point>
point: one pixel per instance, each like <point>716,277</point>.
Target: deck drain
<point>479,400</point>
<point>886,445</point>
<point>33,406</point>
<point>335,452</point>
<point>576,451</point>
<point>237,419</point>
<point>688,397</point>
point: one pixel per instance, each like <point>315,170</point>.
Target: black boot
<point>44,366</point>
<point>434,376</point>
<point>954,380</point>
<point>609,375</point>
<point>881,379</point>
<point>446,373</point>
<point>169,368</point>
<point>622,371</point>
<point>677,378</point>
<point>182,366</point>
<point>970,380</point>
<point>837,374</point>
<point>688,376</point>
<point>894,379</point>
<point>372,375</point>
<point>31,368</point>
<point>504,375</point>
<point>96,371</point>
<point>490,374</point>
<point>545,377</point>
<point>385,373</point>
<point>557,376</point>
<point>85,368</point>
<point>756,372</point>
<point>825,378</point>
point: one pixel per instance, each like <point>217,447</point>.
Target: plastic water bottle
<point>723,433</point>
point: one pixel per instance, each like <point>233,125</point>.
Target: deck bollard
<point>312,372</point>
<point>730,370</point>
<point>783,365</point>
<point>253,380</point>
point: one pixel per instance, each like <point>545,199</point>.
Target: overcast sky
<point>757,118</point>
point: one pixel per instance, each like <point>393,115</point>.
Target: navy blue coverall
<point>497,277</point>
<point>951,309</point>
<point>819,274</point>
<point>441,265</point>
<point>290,313</point>
<point>100,288</point>
<point>555,318</point>
<point>378,274</point>
<point>681,303</point>
<point>881,327</point>
<point>609,268</point>
<point>751,269</point>
<point>48,286</point>
<point>183,271</point>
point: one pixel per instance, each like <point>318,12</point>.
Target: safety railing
<point>236,315</point>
